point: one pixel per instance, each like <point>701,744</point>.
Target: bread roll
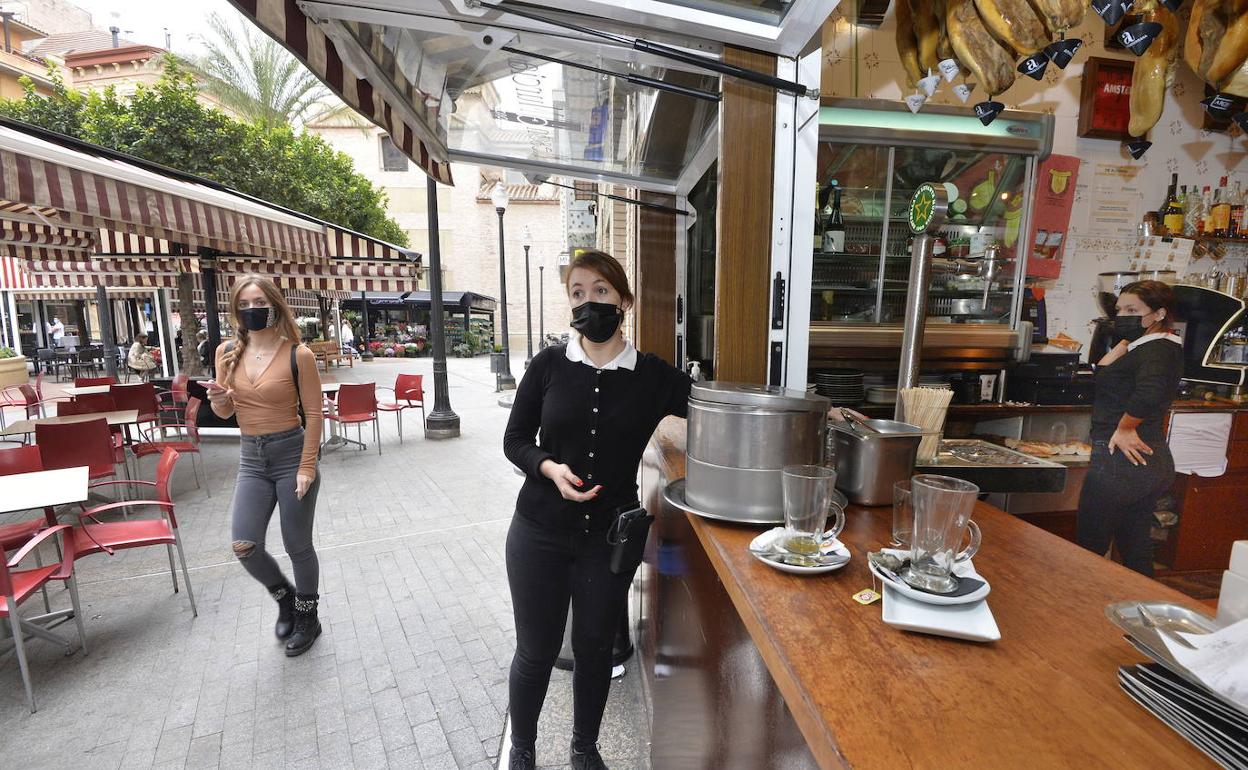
<point>907,46</point>
<point>1014,23</point>
<point>1148,79</point>
<point>989,63</point>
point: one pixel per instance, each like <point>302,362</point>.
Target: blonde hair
<point>286,327</point>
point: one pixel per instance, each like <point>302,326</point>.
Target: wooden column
<point>742,282</point>
<point>656,279</point>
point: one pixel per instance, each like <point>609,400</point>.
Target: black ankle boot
<point>307,627</point>
<point>521,759</point>
<point>587,758</point>
<point>284,594</point>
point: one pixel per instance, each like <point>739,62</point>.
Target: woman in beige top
<point>270,382</point>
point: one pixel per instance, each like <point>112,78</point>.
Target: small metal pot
<point>868,464</point>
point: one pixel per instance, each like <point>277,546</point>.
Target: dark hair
<point>608,267</point>
<point>1156,295</point>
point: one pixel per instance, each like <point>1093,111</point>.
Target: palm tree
<point>254,76</point>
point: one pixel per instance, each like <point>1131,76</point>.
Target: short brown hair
<point>608,267</point>
<point>1156,295</point>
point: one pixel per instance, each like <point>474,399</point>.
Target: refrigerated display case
<point>878,153</point>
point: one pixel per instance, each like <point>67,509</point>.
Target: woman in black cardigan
<point>596,401</point>
<point>1131,464</point>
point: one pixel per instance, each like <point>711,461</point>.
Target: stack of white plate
<point>881,395</point>
<point>843,386</point>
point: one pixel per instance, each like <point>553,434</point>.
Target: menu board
<point>1054,200</point>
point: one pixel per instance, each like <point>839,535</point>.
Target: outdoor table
<point>43,489</point>
<point>88,390</point>
<point>121,417</point>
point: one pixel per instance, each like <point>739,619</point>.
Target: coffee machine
<point>1108,287</point>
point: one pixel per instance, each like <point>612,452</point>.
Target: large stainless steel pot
<point>740,437</point>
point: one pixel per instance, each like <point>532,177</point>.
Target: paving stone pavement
<point>410,672</point>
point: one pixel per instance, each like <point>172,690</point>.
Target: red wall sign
<point>1053,202</point>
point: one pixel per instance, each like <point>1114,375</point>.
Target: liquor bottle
<point>1206,212</point>
<point>834,226</point>
<point>1237,213</point>
<point>818,241</point>
<point>1194,213</point>
<point>1221,213</point>
<point>1172,212</point>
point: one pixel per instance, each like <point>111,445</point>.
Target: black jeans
<point>545,567</point>
<point>1118,501</point>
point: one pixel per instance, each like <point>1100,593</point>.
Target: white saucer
<point>965,569</point>
<point>973,622</point>
<point>830,545</point>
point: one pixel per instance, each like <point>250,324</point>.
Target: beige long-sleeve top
<point>268,404</point>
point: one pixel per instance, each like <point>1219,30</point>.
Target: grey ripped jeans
<point>267,468</point>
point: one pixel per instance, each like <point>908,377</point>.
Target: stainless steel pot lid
<point>768,396</point>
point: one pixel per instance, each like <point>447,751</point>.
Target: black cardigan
<point>597,421</point>
<point>1142,384</point>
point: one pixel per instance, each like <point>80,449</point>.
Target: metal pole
<point>212,314</point>
<point>107,332</point>
<point>916,316</point>
<point>505,380</point>
<point>528,310</point>
<point>541,307</point>
<point>442,422</point>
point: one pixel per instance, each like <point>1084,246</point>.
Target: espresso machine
<point>1108,287</point>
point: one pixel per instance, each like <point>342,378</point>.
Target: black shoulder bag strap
<point>294,375</point>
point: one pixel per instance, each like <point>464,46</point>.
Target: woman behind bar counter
<point>596,401</point>
<point>1131,463</point>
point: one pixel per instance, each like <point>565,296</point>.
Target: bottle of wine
<point>1172,212</point>
<point>834,226</point>
<point>1221,213</point>
<point>1237,214</point>
<point>818,240</point>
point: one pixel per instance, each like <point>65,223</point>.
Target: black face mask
<point>1128,327</point>
<point>597,321</point>
<point>255,319</point>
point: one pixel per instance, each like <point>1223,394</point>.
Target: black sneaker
<point>521,759</point>
<point>307,626</point>
<point>587,758</point>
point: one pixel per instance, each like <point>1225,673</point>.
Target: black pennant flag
<point>1112,11</point>
<point>1138,37</point>
<point>1219,106</point>
<point>1035,65</point>
<point>1173,5</point>
<point>988,111</point>
<point>1138,148</point>
<point>1061,52</point>
<point>1242,121</point>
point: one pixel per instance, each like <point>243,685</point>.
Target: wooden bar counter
<point>748,667</point>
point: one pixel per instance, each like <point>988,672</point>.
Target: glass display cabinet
<point>876,153</point>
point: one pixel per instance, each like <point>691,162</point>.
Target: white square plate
<point>973,622</point>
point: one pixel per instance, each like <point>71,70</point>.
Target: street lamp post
<point>528,300</point>
<point>499,197</point>
<point>442,422</point>
<point>541,307</point>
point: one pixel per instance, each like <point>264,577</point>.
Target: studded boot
<point>284,594</point>
<point>307,627</point>
<point>586,757</point>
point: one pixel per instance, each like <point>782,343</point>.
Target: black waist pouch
<point>627,538</point>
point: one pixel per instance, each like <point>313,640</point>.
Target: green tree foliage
<point>165,123</point>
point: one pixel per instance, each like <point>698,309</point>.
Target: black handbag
<point>627,538</point>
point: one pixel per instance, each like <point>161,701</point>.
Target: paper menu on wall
<point>1116,201</point>
<point>1219,660</point>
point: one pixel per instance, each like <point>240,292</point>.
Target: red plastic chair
<point>16,586</point>
<point>74,444</point>
<point>23,459</point>
<point>98,403</point>
<point>141,397</point>
<point>185,441</point>
<point>87,382</point>
<point>93,536</point>
<point>23,396</point>
<point>173,402</point>
<point>409,393</point>
<point>356,405</point>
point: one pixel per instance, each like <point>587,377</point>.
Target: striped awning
<point>12,273</point>
<point>150,272</point>
<point>344,276</point>
<point>98,191</point>
<point>402,112</point>
<point>73,295</point>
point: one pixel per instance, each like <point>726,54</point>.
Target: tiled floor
<point>410,672</point>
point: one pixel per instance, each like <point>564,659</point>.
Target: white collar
<point>627,359</point>
<point>1155,336</point>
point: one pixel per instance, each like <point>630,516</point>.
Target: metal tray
<point>1000,470</point>
<point>674,495</point>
